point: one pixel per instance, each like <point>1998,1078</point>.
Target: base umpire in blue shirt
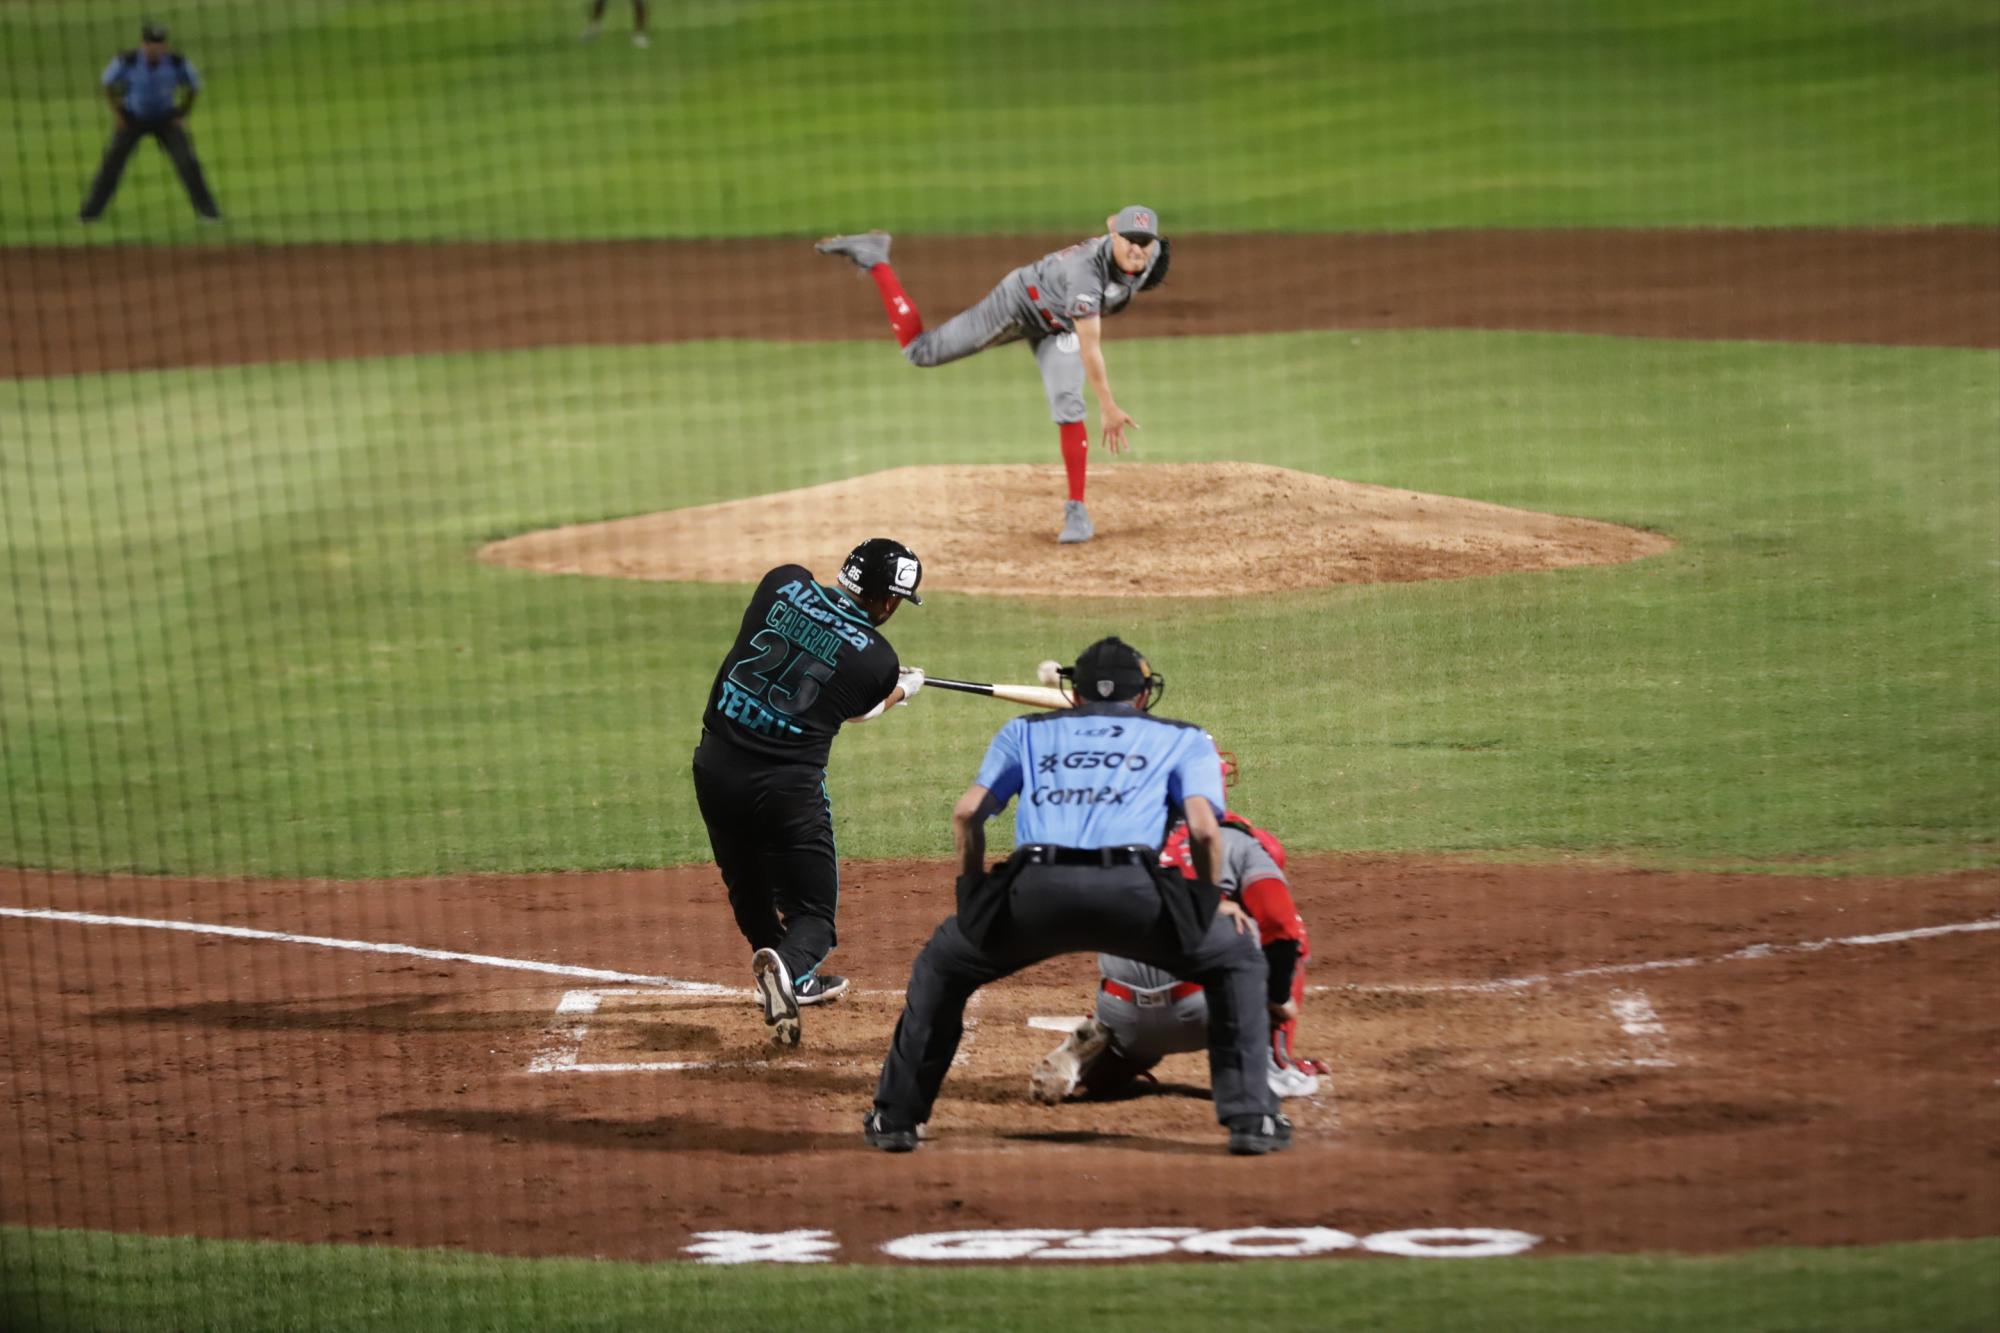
<point>1099,786</point>
<point>145,87</point>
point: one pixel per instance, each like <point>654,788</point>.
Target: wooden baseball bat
<point>1034,696</point>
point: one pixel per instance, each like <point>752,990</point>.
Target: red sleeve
<point>1269,903</point>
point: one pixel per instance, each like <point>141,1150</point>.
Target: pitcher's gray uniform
<point>1163,1015</point>
<point>1040,302</point>
<point>1055,304</point>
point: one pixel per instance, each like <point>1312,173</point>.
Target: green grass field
<point>241,631</point>
<point>86,1280</point>
<point>343,120</point>
<point>262,644</point>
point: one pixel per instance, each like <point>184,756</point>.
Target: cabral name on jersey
<point>804,599</point>
<point>791,621</point>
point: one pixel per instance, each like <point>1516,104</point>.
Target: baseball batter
<point>1144,1014</point>
<point>1056,305</point>
<point>807,659</point>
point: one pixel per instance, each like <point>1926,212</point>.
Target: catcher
<point>1144,1015</point>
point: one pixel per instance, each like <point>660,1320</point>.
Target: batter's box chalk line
<point>1638,1020</point>
<point>561,1051</point>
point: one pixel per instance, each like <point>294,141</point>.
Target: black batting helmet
<point>882,566</point>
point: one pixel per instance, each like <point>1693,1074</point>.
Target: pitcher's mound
<point>1163,530</point>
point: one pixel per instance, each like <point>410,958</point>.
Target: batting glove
<point>912,680</point>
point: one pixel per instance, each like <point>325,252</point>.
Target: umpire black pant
<point>1057,909</point>
<point>771,827</point>
<point>179,146</point>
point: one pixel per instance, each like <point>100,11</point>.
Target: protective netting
<point>1557,431</point>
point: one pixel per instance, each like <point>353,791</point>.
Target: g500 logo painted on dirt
<point>1063,1243</point>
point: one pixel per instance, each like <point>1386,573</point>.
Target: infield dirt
<point>176,1084</point>
<point>68,306</point>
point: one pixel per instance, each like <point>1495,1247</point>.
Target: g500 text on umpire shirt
<point>1100,775</point>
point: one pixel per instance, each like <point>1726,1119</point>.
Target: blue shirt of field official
<point>1102,775</point>
<point>151,78</point>
<point>150,90</point>
<point>1097,784</point>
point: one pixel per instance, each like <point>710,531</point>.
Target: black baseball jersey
<point>806,659</point>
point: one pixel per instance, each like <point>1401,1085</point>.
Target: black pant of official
<point>179,146</point>
<point>771,828</point>
<point>1058,909</point>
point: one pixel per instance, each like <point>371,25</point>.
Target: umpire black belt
<point>1046,854</point>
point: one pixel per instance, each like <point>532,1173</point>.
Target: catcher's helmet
<point>1113,671</point>
<point>882,566</point>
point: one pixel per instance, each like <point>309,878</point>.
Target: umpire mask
<point>1113,671</point>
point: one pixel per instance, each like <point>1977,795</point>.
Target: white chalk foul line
<point>681,986</point>
<point>1746,953</point>
<point>369,946</point>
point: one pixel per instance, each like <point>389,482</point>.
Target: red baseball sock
<point>903,316</point>
<point>1076,454</point>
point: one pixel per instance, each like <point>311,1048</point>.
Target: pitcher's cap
<point>1136,222</point>
<point>152,32</point>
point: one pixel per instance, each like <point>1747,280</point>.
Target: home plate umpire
<point>1099,786</point>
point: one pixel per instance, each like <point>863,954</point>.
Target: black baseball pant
<point>770,826</point>
<point>1058,909</point>
<point>179,146</point>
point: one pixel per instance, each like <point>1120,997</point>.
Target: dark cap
<point>882,566</point>
<point>1136,222</point>
<point>153,32</point>
<point>1109,670</point>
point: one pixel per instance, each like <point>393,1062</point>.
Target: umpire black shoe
<point>774,992</point>
<point>819,988</point>
<point>1255,1135</point>
<point>889,1138</point>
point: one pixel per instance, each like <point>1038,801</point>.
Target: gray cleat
<point>1077,526</point>
<point>774,993</point>
<point>866,249</point>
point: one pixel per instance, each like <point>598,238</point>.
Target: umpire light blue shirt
<point>149,89</point>
<point>1102,775</point>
